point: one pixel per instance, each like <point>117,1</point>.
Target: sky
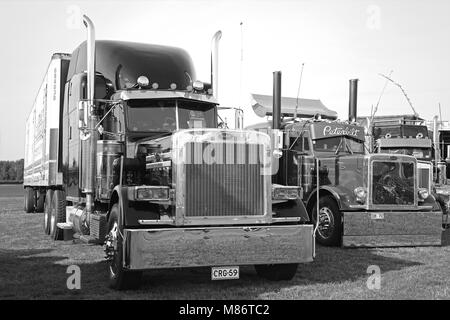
<point>336,41</point>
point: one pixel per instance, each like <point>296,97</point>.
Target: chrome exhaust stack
<point>88,181</point>
<point>353,100</point>
<point>215,63</point>
<point>441,174</point>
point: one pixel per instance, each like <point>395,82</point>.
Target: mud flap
<point>392,229</point>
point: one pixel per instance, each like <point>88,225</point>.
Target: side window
<point>300,144</point>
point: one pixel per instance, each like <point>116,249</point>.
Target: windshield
<point>339,144</point>
<point>421,153</point>
<point>161,115</point>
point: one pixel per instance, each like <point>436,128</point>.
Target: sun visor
<point>307,108</point>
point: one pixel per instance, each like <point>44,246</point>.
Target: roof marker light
<point>143,81</point>
<point>173,86</point>
<point>155,85</point>
<point>198,85</point>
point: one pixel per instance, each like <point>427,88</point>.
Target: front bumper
<point>392,229</point>
<point>217,246</point>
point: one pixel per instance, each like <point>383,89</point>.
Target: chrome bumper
<point>217,246</point>
<point>392,229</point>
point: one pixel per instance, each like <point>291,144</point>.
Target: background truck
<point>361,199</point>
<point>409,134</point>
<point>123,141</point>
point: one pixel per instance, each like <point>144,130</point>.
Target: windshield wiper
<point>348,146</point>
<point>339,146</point>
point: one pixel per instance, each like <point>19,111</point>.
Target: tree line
<point>11,171</point>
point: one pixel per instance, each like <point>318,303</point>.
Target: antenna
<point>298,91</point>
<point>404,93</point>
<point>379,98</point>
<point>440,112</point>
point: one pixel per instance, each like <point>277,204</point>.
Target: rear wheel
<point>57,214</point>
<point>119,277</point>
<point>40,201</point>
<point>29,199</point>
<point>329,232</point>
<point>47,210</point>
<point>277,272</point>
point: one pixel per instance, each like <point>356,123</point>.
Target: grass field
<point>34,267</point>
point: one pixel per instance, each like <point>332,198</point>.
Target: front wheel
<point>57,214</point>
<point>277,272</point>
<point>119,277</point>
<point>329,232</point>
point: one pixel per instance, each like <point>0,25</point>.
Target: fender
<point>291,208</point>
<point>332,190</point>
<point>119,195</point>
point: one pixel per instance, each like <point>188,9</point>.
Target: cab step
<point>67,228</point>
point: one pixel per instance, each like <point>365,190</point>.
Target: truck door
<point>75,94</point>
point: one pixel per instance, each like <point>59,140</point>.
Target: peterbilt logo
<point>340,131</point>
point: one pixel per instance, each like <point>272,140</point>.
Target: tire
<point>47,211</point>
<point>57,214</point>
<point>40,201</point>
<point>277,272</point>
<point>119,277</point>
<point>29,199</point>
<point>330,228</point>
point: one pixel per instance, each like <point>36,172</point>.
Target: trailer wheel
<point>119,277</point>
<point>57,214</point>
<point>40,201</point>
<point>47,210</point>
<point>29,198</point>
<point>277,272</point>
<point>329,232</point>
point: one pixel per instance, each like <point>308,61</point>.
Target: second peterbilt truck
<point>410,135</point>
<point>137,161</point>
<point>361,199</point>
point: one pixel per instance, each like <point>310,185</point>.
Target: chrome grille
<point>424,175</point>
<point>393,183</point>
<point>232,186</point>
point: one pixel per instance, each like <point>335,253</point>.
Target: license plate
<point>224,273</point>
<point>377,215</point>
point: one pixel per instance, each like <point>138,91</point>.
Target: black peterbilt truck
<point>124,147</point>
<point>362,199</point>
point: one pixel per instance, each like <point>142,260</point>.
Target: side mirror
<point>277,138</point>
<point>238,119</point>
<point>83,115</point>
<point>83,109</point>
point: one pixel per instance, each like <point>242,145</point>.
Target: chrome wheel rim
<point>46,221</point>
<point>326,222</point>
<point>111,248</point>
<point>52,221</point>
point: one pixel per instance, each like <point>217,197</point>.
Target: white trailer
<point>42,135</point>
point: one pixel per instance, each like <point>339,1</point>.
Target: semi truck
<point>410,135</point>
<point>123,149</point>
<point>358,199</point>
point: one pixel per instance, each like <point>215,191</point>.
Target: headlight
<point>285,193</point>
<point>149,193</point>
<point>360,194</point>
<point>423,194</point>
